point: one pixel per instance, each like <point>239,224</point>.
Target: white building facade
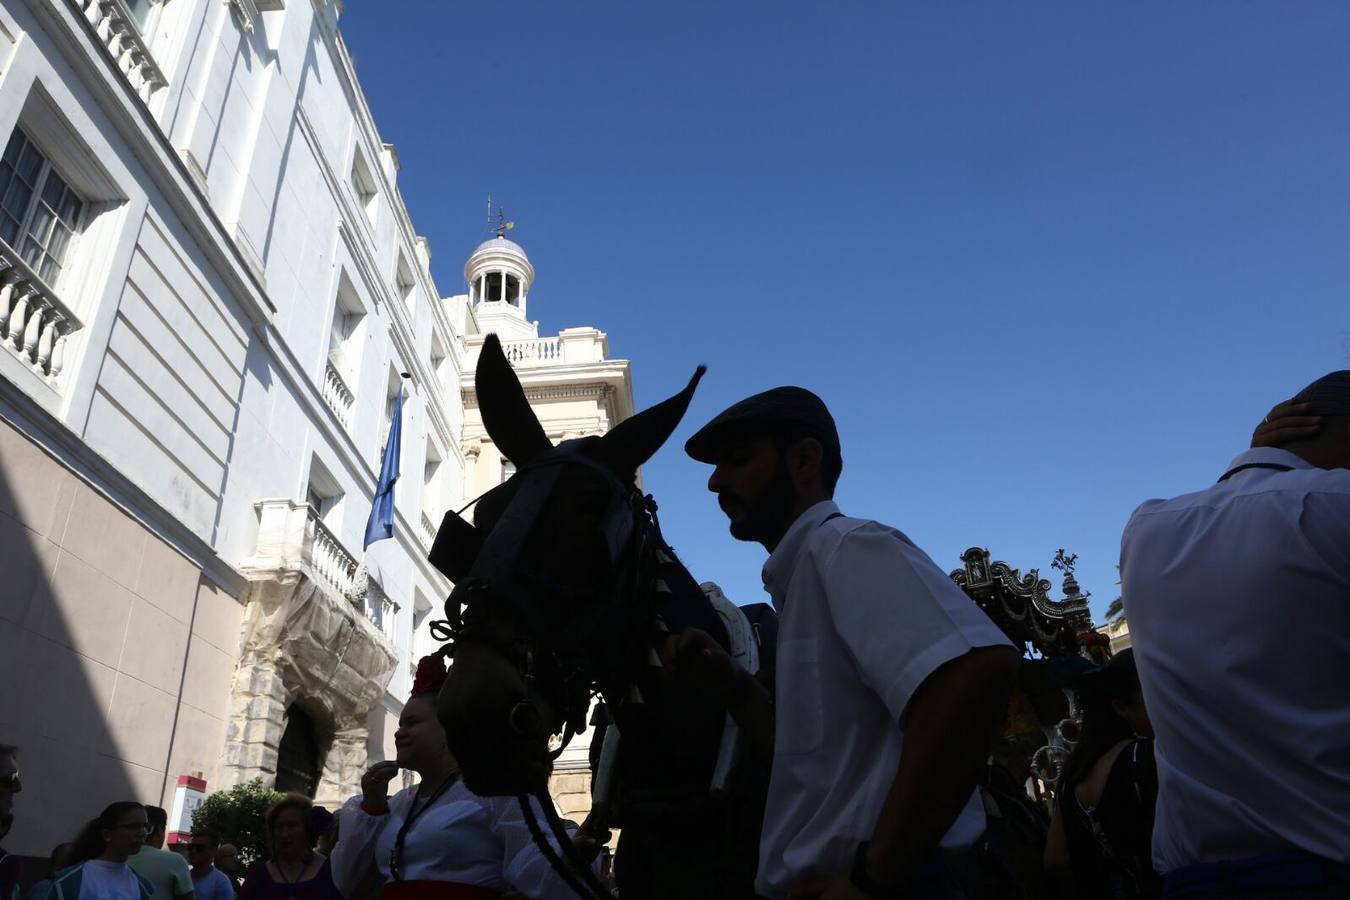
<point>211,289</point>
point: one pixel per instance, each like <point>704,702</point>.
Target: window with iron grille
<point>39,213</point>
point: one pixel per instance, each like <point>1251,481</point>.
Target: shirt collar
<point>1270,455</point>
<point>778,569</point>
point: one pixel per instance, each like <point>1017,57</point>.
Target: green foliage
<point>1116,611</point>
<point>237,816</point>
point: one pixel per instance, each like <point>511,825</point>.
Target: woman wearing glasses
<point>438,840</point>
<point>100,856</point>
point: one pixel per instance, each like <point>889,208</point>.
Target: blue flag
<point>381,522</point>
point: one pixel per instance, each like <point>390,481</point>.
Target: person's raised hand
<point>693,654</point>
<point>1286,423</point>
<point>375,786</point>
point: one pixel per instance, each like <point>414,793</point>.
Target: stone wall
<point>115,654</point>
<point>571,793</point>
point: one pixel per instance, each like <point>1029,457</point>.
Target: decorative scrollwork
<point>1021,604</point>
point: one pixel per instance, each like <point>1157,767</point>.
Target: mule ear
<point>633,441</point>
<point>507,416</point>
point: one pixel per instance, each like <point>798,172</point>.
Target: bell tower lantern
<point>499,275</point>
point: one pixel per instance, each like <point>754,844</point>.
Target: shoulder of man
<point>66,884</point>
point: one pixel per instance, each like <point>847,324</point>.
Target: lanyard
<point>1274,467</point>
<point>396,855</point>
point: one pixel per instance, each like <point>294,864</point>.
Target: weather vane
<point>498,222</point>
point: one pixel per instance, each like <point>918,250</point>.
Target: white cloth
<point>866,617</point>
<point>1238,600</point>
<point>102,880</point>
<point>462,838</point>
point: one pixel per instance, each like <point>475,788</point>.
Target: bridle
<point>634,542</point>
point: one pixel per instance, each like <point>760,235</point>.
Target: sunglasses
<point>10,782</point>
<point>197,846</point>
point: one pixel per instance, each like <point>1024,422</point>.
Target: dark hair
<point>157,817</point>
<point>1329,395</point>
<point>785,437</point>
<point>1102,727</point>
<point>90,843</point>
<point>8,751</point>
<point>211,837</point>
<point>298,802</point>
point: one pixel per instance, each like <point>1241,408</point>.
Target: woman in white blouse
<point>438,840</point>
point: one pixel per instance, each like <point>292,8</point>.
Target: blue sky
<point>1043,261</point>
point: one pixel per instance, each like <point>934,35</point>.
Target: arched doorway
<point>298,762</point>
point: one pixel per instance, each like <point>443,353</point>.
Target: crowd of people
<point>1212,760</point>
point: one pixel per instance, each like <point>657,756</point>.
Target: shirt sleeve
<point>523,866</point>
<point>182,877</point>
<point>353,858</point>
<point>898,614</point>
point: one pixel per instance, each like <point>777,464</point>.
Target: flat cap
<point>791,407</point>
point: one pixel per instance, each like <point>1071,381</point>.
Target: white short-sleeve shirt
<point>866,617</point>
<point>1238,599</point>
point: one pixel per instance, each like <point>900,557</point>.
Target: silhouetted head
<point>775,455</point>
<point>290,830</point>
<point>117,833</point>
<point>419,741</point>
<point>1112,705</point>
<point>542,566</point>
<point>159,826</point>
<point>1328,397</point>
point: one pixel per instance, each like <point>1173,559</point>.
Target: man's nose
<point>717,480</point>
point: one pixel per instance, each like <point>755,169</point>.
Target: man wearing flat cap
<point>1238,598</point>
<point>890,683</point>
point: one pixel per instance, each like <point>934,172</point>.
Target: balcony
<point>428,531</point>
<point>294,544</point>
<point>316,631</point>
<point>337,395</point>
<point>112,22</point>
<point>34,324</point>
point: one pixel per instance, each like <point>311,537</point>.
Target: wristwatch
<point>863,882</point>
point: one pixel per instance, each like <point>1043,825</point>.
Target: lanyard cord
<point>396,855</point>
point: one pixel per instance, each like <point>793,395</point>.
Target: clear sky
<point>1043,261</point>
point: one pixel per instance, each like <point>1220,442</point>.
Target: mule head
<point>542,576</point>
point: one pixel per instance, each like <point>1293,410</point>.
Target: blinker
<point>456,547</point>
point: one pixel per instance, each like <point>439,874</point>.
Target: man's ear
<point>804,460</point>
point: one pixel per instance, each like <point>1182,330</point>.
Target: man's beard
<point>766,515</point>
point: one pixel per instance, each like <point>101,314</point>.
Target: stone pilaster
<point>344,764</point>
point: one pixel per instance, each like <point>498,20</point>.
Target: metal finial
<point>497,223</point>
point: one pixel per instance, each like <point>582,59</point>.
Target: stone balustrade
<point>329,560</point>
<point>117,30</point>
<point>569,347</point>
<point>428,530</point>
<point>539,352</point>
<point>34,324</point>
<point>377,606</point>
<point>337,395</point>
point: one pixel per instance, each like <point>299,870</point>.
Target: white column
<point>502,297</point>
